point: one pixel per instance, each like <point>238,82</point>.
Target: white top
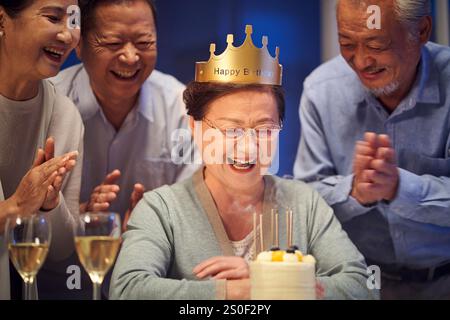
<point>25,126</point>
<point>244,248</point>
<point>141,149</point>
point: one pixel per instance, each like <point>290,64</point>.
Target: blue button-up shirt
<point>335,111</point>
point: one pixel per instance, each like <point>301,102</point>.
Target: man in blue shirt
<point>375,142</point>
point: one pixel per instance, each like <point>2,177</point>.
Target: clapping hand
<point>52,198</point>
<point>136,195</point>
<point>39,188</point>
<point>103,194</point>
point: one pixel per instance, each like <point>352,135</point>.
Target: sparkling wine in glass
<point>97,244</point>
<point>28,243</point>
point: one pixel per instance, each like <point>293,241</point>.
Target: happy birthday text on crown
<point>245,72</point>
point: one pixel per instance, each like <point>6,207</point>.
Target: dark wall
<point>186,28</point>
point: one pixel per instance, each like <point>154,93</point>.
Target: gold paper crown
<point>246,64</point>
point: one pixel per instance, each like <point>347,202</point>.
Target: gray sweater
<point>174,228</point>
<point>22,134</point>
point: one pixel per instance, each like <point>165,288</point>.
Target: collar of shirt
<point>89,106</point>
<point>424,91</point>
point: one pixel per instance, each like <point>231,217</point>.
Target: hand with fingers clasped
<point>40,187</point>
<point>376,175</point>
<point>223,268</point>
<point>234,269</point>
<point>103,194</point>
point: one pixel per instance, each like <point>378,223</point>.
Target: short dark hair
<point>199,95</point>
<point>87,8</point>
<point>14,7</point>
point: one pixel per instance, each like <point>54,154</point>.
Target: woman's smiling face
<point>242,161</point>
<point>39,39</point>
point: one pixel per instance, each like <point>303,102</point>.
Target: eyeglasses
<point>261,132</point>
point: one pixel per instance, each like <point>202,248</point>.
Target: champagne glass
<point>97,244</point>
<point>28,243</point>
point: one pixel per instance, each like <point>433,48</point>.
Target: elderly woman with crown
<point>196,239</point>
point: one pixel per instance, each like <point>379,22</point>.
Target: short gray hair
<point>411,12</point>
<point>408,12</point>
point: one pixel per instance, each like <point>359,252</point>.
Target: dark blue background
<point>186,28</point>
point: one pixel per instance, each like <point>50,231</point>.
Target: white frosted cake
<point>283,275</point>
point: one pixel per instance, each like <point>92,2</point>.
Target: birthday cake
<point>283,275</point>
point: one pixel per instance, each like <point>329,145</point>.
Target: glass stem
<point>30,290</point>
<point>26,291</point>
<point>97,287</point>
